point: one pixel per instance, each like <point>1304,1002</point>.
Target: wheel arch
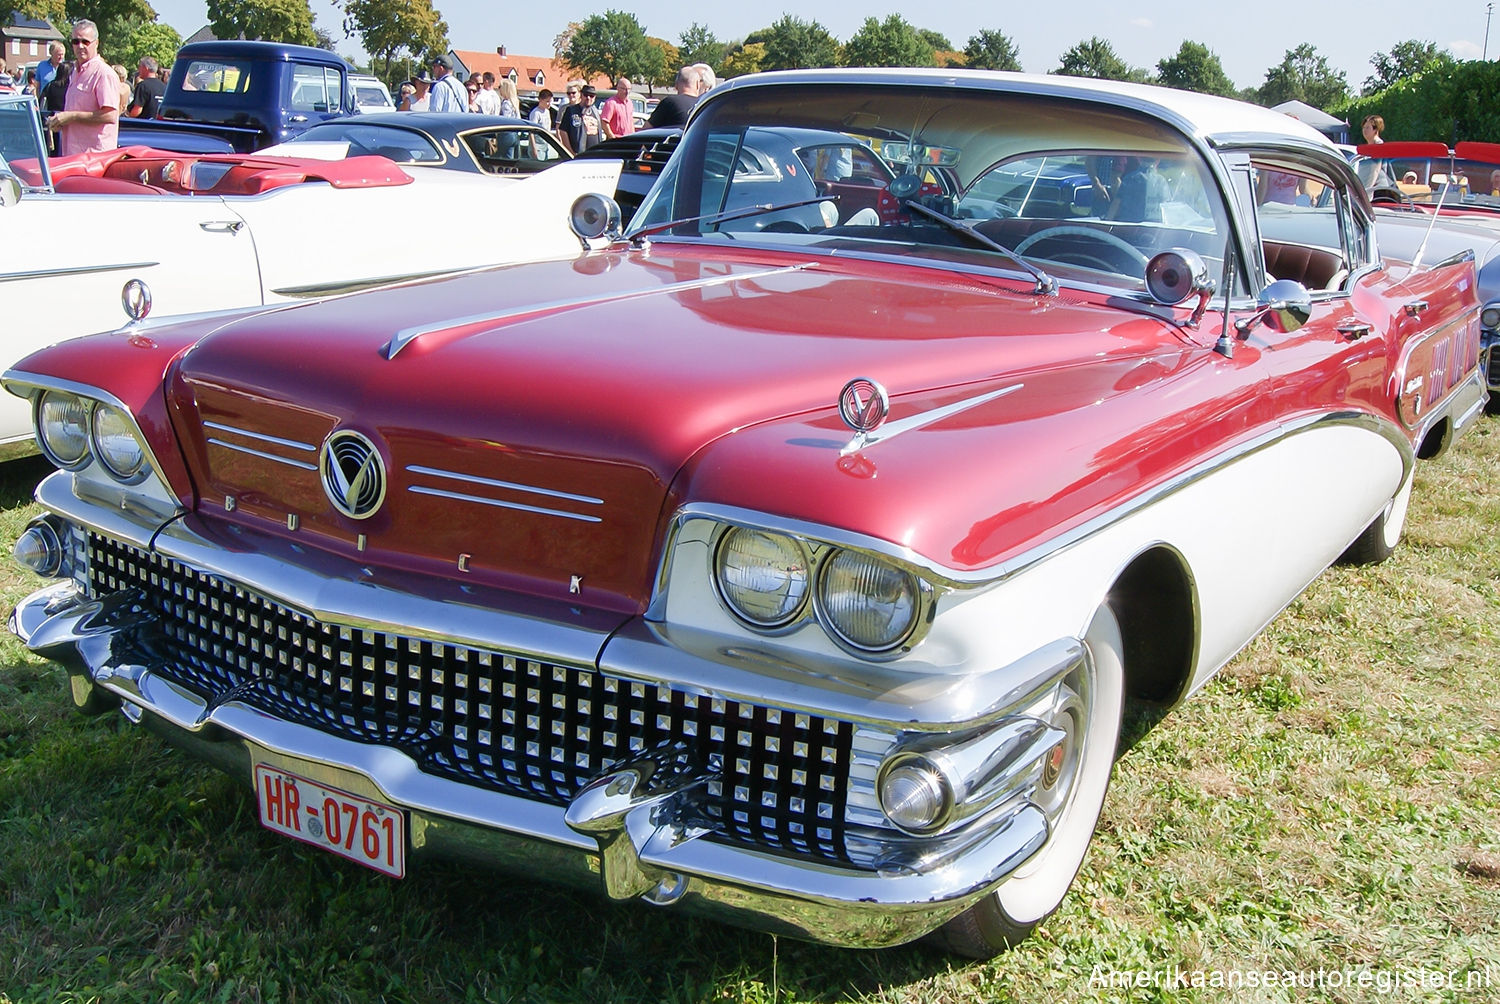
<point>1155,600</point>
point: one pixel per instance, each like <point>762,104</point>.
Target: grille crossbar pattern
<point>495,720</point>
<point>1492,366</point>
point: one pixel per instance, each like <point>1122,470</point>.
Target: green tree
<point>272,20</point>
<point>742,59</point>
<point>936,39</point>
<point>698,45</point>
<point>663,69</point>
<point>1405,59</point>
<point>1303,75</point>
<point>1195,68</point>
<point>117,19</point>
<point>390,31</point>
<point>891,42</point>
<point>1097,58</point>
<point>614,44</point>
<point>792,43</point>
<point>140,39</point>
<point>992,49</point>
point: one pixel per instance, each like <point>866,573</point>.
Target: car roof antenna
<point>1225,345</point>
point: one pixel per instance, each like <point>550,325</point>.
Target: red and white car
<point>789,562</point>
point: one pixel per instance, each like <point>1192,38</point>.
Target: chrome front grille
<point>1492,367</point>
<point>492,719</point>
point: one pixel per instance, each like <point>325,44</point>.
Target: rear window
<point>213,76</point>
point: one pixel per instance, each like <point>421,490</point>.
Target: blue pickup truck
<point>242,96</point>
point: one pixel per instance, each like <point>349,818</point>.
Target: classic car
<point>642,156</point>
<point>796,576</point>
<point>473,144</point>
<point>205,232</point>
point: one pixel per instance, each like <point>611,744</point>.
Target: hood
<point>532,419</point>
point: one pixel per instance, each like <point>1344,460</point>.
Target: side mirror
<point>1283,306</point>
<point>1175,275</point>
<point>10,189</point>
<point>593,216</point>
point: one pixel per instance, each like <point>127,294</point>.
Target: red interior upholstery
<point>84,184</point>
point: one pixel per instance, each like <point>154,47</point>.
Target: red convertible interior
<point>139,170</point>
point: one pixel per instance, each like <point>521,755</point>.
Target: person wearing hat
<point>448,92</point>
<point>417,100</point>
<point>578,127</point>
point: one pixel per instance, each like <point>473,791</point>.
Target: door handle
<point>222,226</point>
<point>1354,330</point>
<point>1415,308</point>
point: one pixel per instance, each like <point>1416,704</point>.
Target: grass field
<point>1328,807</point>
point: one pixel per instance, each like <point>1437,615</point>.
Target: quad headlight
<point>115,443</point>
<point>62,423</point>
<point>761,576</point>
<point>71,429</point>
<point>1489,316</point>
<point>866,603</point>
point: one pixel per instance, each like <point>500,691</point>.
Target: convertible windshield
<point>1429,181</point>
<point>1087,193</point>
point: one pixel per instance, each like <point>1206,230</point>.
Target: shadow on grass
<point>18,480</point>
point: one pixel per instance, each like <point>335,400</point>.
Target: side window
<point>316,89</point>
<point>1307,231</point>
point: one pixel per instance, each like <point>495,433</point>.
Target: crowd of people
<point>83,99</point>
<point>579,121</point>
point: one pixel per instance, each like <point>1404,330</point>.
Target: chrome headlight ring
<point>907,597</point>
<point>73,429</point>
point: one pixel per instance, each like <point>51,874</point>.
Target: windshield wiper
<point>733,214</point>
<point>1045,284</point>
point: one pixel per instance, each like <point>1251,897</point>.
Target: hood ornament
<point>864,405</point>
<point>353,474</point>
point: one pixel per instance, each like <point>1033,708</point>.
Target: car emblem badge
<point>353,474</point>
<point>863,405</point>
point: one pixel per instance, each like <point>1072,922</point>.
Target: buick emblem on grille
<point>353,474</point>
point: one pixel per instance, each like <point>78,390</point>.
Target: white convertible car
<point>210,232</point>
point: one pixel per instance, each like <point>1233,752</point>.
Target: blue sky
<point>1247,39</point>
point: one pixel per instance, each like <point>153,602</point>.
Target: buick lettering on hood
<point>790,557</point>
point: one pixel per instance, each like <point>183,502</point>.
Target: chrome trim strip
<point>493,483</point>
<point>498,503</point>
<point>299,464</point>
<point>406,336</point>
<point>294,444</point>
<point>50,273</point>
<point>911,422</point>
<point>355,285</point>
<point>943,575</point>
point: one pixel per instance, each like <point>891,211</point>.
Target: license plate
<point>351,826</point>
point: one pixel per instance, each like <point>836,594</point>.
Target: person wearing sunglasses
<point>91,113</point>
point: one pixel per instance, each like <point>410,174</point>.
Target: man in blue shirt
<point>448,94</point>
<point>47,69</point>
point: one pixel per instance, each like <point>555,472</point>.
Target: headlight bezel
<point>142,465</point>
<point>814,610</point>
<point>41,425</point>
<point>90,402</point>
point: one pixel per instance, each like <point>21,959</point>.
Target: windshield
<point>1428,181</point>
<point>1086,192</point>
<point>21,139</point>
<point>401,145</point>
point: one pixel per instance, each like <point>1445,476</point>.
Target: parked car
<point>212,231</point>
<point>1460,186</point>
<point>244,95</point>
<point>794,575</point>
<point>370,94</point>
<point>474,144</point>
<point>642,156</point>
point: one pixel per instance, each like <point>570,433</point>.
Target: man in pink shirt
<point>617,116</point>
<point>90,117</point>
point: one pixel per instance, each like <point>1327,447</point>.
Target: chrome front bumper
<point>632,830</point>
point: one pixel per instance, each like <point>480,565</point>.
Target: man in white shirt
<point>487,101</point>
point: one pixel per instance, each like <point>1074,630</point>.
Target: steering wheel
<point>1084,258</point>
